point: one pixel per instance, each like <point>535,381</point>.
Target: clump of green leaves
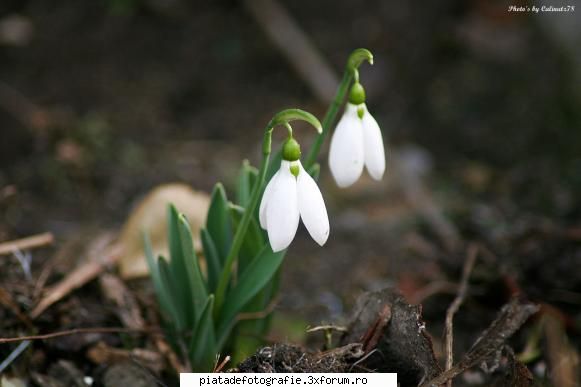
<point>186,283</point>
<point>218,303</point>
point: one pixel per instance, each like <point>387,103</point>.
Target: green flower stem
<point>329,118</point>
<point>281,118</point>
<point>351,71</point>
<point>243,226</point>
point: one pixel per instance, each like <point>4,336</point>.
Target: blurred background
<point>480,110</point>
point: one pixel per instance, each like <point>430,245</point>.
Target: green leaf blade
<point>218,222</point>
<point>212,260</point>
<point>253,242</point>
<point>256,276</point>
<point>155,276</point>
<point>197,286</point>
<point>179,316</point>
<point>179,261</point>
<point>203,345</point>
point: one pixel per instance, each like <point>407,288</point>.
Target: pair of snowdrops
<point>292,194</point>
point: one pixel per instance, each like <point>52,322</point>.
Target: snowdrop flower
<point>356,142</point>
<point>292,194</point>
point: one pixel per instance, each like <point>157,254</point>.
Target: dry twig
<point>375,331</point>
<point>259,314</point>
<point>220,366</point>
<point>337,328</point>
<point>462,290</point>
<point>26,243</point>
<point>510,318</point>
<point>102,353</point>
<point>77,331</point>
<point>88,271</point>
<point>64,254</point>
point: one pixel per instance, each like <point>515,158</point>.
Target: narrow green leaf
<point>253,241</point>
<point>212,260</point>
<point>253,279</point>
<point>169,290</point>
<point>203,345</point>
<point>218,222</point>
<point>155,276</point>
<point>198,291</point>
<point>246,180</point>
<point>178,265</point>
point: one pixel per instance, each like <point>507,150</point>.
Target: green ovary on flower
<point>291,150</point>
<point>357,94</point>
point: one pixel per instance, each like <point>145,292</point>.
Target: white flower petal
<point>373,146</point>
<point>282,211</point>
<point>312,207</point>
<point>264,201</point>
<point>346,155</point>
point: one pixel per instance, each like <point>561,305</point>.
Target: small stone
<point>127,374</point>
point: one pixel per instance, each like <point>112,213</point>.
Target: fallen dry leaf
<point>563,357</point>
<point>150,216</point>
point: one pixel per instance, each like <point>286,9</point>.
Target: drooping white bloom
<point>287,198</point>
<point>357,142</point>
